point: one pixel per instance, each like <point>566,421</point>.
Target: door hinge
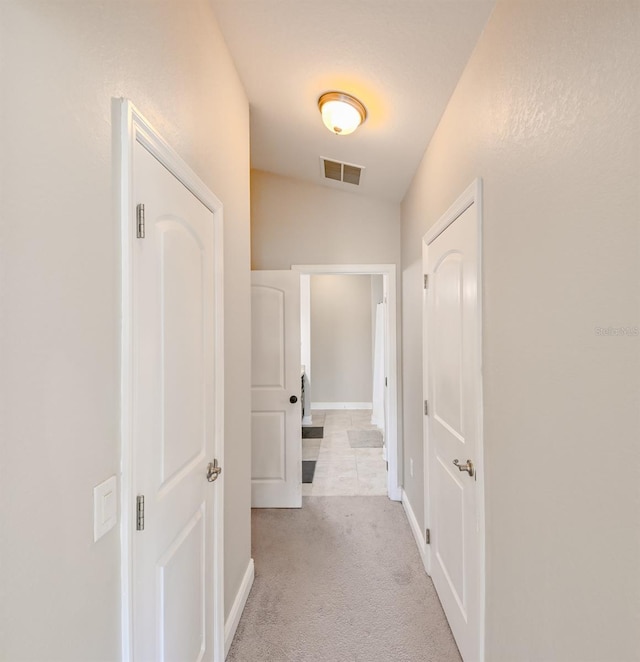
<point>140,512</point>
<point>386,383</point>
<point>426,281</point>
<point>140,221</point>
<point>427,536</point>
<point>426,408</point>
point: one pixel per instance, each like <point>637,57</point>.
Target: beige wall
<point>62,62</point>
<point>294,222</point>
<point>341,354</point>
<point>547,112</point>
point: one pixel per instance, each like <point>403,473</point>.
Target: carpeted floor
<point>340,580</point>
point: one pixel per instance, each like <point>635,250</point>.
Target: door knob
<point>213,471</point>
<point>293,399</point>
<point>467,466</point>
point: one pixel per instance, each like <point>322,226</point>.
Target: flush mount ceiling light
<point>342,114</point>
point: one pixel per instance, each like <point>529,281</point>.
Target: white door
<point>276,413</point>
<point>174,419</point>
<point>453,393</point>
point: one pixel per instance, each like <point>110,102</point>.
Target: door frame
<point>471,196</point>
<point>388,272</point>
<point>131,127</point>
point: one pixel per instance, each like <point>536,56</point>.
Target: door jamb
<point>472,195</point>
<point>388,271</point>
<point>130,126</point>
<point>305,340</point>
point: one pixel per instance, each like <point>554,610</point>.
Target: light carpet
<point>340,580</point>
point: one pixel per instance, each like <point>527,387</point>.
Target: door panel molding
<point>131,128</point>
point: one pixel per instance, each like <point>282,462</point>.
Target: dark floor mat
<point>308,469</point>
<point>312,433</point>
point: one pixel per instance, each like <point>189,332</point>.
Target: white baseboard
<point>231,624</point>
<point>417,531</point>
<point>307,421</point>
<point>341,405</point>
<point>395,494</point>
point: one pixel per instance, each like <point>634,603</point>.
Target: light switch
<point>105,507</point>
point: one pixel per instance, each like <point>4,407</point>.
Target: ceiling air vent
<point>346,173</point>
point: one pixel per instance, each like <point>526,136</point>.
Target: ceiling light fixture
<point>342,114</point>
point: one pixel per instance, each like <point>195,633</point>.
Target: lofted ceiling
<point>401,58</point>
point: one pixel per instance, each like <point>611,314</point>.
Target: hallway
<point>340,580</point>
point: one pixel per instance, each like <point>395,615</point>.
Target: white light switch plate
<point>105,507</point>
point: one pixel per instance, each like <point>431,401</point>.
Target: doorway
<point>453,443</point>
<point>172,402</point>
<point>360,412</point>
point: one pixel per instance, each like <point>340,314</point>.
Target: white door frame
<point>388,272</point>
<point>133,127</point>
<point>305,343</point>
<point>472,195</point>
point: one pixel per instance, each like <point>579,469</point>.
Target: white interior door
<point>175,347</point>
<point>453,392</point>
<point>276,450</point>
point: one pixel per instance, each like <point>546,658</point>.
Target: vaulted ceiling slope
<point>401,58</point>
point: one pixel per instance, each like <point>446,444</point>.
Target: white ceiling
<point>401,58</point>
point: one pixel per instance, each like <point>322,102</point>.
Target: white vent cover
<point>346,173</point>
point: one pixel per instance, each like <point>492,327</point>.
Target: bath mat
<point>365,438</point>
<point>308,469</point>
<point>312,433</point>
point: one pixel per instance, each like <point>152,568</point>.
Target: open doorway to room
<point>348,368</point>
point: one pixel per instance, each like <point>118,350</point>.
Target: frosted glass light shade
<point>342,114</point>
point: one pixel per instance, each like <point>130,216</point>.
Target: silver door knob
<point>467,466</point>
<point>213,471</point>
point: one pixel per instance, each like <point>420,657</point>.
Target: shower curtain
<point>377,414</point>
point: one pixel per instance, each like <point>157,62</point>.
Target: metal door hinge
<point>427,536</point>
<point>140,221</point>
<point>426,281</point>
<point>426,408</point>
<point>140,512</point>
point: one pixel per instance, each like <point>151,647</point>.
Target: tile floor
<point>340,469</point>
